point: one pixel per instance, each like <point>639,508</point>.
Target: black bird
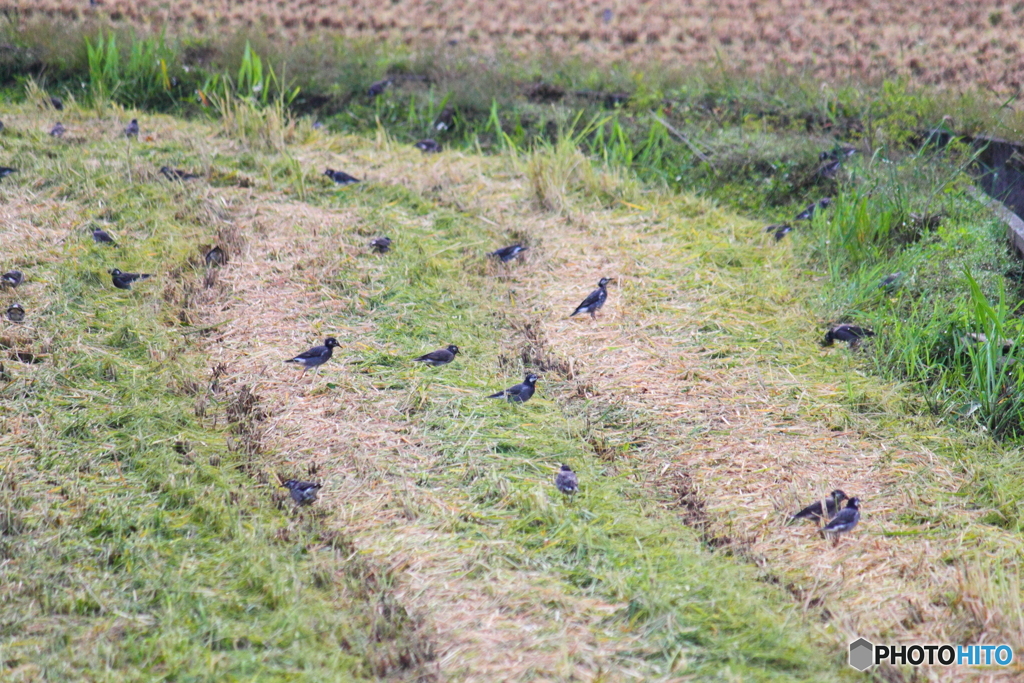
<point>12,278</point>
<point>340,177</point>
<point>216,257</point>
<point>125,280</point>
<point>132,129</point>
<point>303,492</point>
<point>829,169</point>
<point>428,146</point>
<point>1,126</point>
<point>58,130</point>
<point>15,313</point>
<point>890,281</point>
<point>847,333</point>
<point>838,153</point>
<point>381,245</point>
<point>520,393</point>
<point>594,301</point>
<point>316,356</point>
<point>566,481</point>
<point>845,520</point>
<point>813,511</point>
<point>101,236</point>
<point>377,89</point>
<point>57,103</point>
<point>506,254</point>
<point>7,170</point>
<point>780,230</point>
<point>439,357</point>
<point>444,119</point>
<point>808,213</point>
<point>177,174</point>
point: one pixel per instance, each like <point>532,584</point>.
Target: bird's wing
<point>315,352</point>
<point>591,299</point>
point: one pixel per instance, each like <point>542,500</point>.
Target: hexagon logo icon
<point>862,654</point>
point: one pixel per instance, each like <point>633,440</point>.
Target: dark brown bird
<point>302,492</point>
<point>439,357</point>
<point>177,174</point>
<point>813,511</point>
<point>123,280</point>
<point>101,236</point>
<point>852,334</point>
<point>566,481</point>
<point>445,119</point>
<point>15,313</point>
<point>428,146</point>
<point>595,300</point>
<point>12,278</point>
<point>377,89</point>
<point>780,230</point>
<point>216,257</point>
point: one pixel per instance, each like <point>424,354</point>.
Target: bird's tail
<point>500,394</point>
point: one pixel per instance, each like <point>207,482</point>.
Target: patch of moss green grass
<point>138,540</point>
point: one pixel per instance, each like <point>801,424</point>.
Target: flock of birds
<point>838,520</point>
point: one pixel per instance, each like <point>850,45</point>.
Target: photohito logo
<point>864,655</point>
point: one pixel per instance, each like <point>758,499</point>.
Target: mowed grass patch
<point>141,535</point>
<point>696,612</point>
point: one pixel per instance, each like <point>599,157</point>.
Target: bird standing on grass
<point>177,174</point>
<point>506,254</point>
<point>216,257</point>
<point>57,103</point>
<point>302,492</point>
<point>316,356</point>
<point>376,89</point>
<point>340,177</point>
<point>566,481</point>
<point>594,301</point>
<point>15,313</point>
<point>132,129</point>
<point>851,334</point>
<point>6,170</point>
<point>439,357</point>
<point>126,280</point>
<point>845,521</point>
<point>12,278</point>
<point>808,213</point>
<point>381,245</point>
<point>780,230</point>
<point>428,146</point>
<point>891,281</point>
<point>813,511</point>
<point>520,393</point>
<point>58,130</point>
<point>101,236</point>
<point>445,119</point>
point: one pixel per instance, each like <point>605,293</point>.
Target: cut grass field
<point>947,44</point>
<point>144,534</point>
